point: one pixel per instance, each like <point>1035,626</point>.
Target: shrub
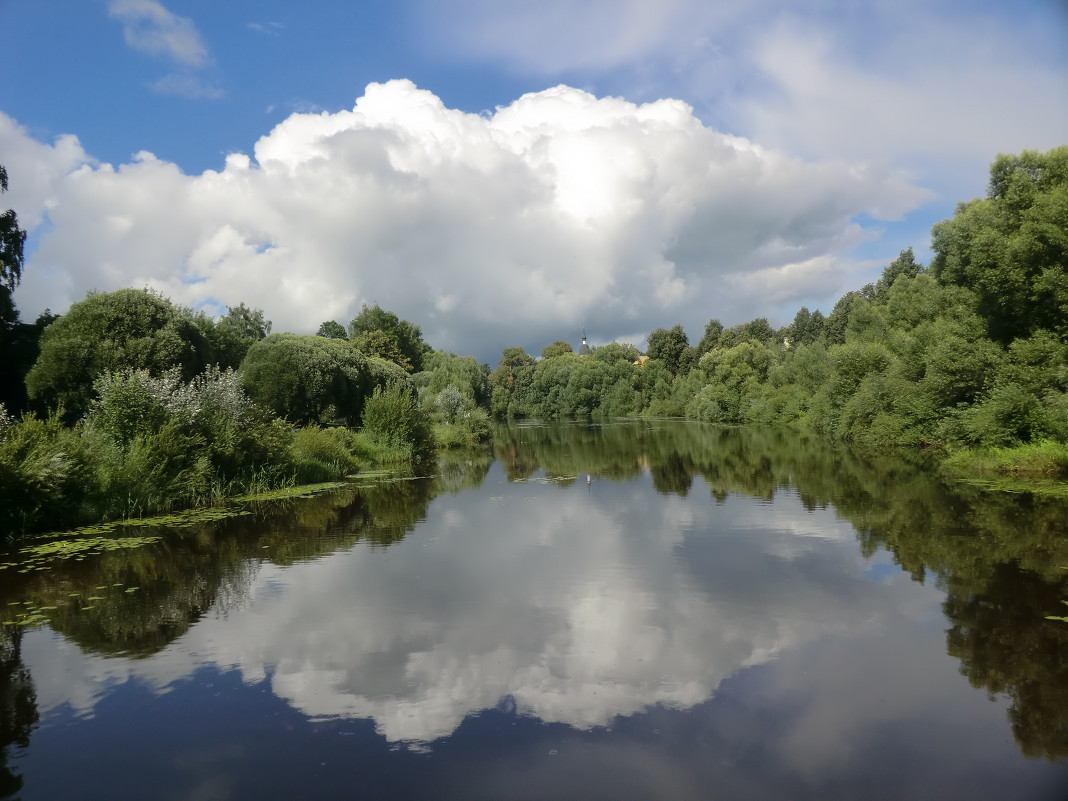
<point>450,404</point>
<point>392,417</point>
<point>323,454</point>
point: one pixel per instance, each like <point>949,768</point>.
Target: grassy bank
<point>154,444</point>
<point>1041,460</point>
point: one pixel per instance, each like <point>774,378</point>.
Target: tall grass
<point>1045,458</point>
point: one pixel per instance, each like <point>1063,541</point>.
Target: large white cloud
<point>939,88</point>
<point>559,212</point>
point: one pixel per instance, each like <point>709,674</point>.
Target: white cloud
<point>149,27</point>
<point>559,212</point>
<point>936,88</point>
<point>945,96</point>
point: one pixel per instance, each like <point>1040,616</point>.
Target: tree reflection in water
<point>998,556</point>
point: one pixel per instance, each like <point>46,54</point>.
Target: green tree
<point>710,338</point>
<point>235,332</point>
<point>1011,247</point>
<point>130,329</point>
<point>332,329</point>
<point>616,352</point>
<point>12,339</point>
<point>408,336</point>
<point>558,348</point>
<point>513,371</point>
<point>12,242</point>
<point>668,345</point>
<point>382,345</point>
<point>806,327</point>
<point>307,379</point>
<point>905,265</point>
<point>394,418</point>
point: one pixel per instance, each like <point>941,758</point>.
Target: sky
<point>508,173</point>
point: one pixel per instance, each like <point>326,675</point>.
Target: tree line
<point>968,354</point>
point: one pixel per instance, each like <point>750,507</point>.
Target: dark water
<point>633,611</point>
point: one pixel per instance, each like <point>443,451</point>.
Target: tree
<point>332,329</point>
<point>408,336</point>
<point>806,327</point>
<point>20,345</point>
<point>758,330</point>
<point>558,348</point>
<point>130,329</point>
<point>616,352</point>
<point>710,339</point>
<point>905,265</point>
<point>235,332</point>
<point>12,242</point>
<point>834,328</point>
<point>309,379</point>
<point>382,345</point>
<point>1011,248</point>
<point>668,345</point>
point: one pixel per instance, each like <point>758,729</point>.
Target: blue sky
<point>512,172</point>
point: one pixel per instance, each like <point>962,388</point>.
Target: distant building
<point>584,349</point>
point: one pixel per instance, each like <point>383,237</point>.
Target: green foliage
<point>904,266</point>
<point>1008,415</point>
<point>20,344</point>
<point>407,336</point>
<point>393,417</point>
<point>165,442</point>
<point>383,346</point>
<point>450,404</point>
<point>128,329</point>
<point>308,379</point>
<point>558,348</point>
<point>710,338</point>
<point>463,373</point>
<point>332,329</point>
<point>513,373</point>
<point>323,454</point>
<point>1011,247</point>
<point>235,332</point>
<point>42,463</point>
<point>668,345</point>
<point>616,352</point>
<point>469,429</point>
<point>12,242</point>
<point>147,443</point>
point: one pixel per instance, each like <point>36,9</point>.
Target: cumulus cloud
<point>558,212</point>
<point>938,88</point>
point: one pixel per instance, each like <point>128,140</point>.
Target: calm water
<point>631,611</point>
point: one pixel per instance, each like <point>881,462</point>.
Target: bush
<point>324,454</point>
<point>450,404</point>
<point>1008,415</point>
<point>469,430</point>
<point>306,379</point>
<point>392,417</point>
<point>114,331</point>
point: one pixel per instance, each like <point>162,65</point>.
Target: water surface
<point>626,611</point>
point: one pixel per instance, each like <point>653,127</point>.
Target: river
<point>630,610</point>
